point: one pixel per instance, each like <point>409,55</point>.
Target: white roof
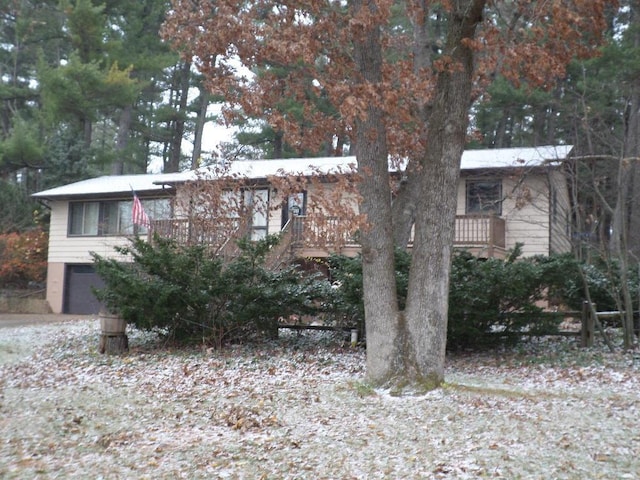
<point>514,157</point>
<point>256,169</point>
<point>108,184</point>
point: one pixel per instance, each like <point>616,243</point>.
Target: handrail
<point>484,231</point>
<point>276,256</point>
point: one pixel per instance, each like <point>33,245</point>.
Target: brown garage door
<point>78,297</point>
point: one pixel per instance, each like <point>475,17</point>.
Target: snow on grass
<point>300,408</point>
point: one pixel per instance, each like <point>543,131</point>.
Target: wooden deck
<point>483,235</point>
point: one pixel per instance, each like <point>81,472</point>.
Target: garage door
<point>78,298</point>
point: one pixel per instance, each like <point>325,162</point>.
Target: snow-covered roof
<point>258,169</point>
<point>514,157</point>
<point>107,185</point>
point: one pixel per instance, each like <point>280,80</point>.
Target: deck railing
<point>186,232</point>
<point>320,232</point>
<point>486,232</point>
<point>480,231</point>
<point>473,231</point>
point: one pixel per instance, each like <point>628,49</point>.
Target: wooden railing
<point>480,231</point>
<point>475,231</point>
<point>486,232</point>
<point>320,232</point>
<point>282,253</point>
<point>185,232</point>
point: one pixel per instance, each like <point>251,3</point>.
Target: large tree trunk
<point>201,120</point>
<point>428,293</point>
<point>426,38</point>
<point>124,127</point>
<point>175,149</point>
<point>380,299</point>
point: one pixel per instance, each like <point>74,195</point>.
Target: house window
<point>257,201</point>
<point>484,197</point>
<point>83,218</point>
<point>107,218</point>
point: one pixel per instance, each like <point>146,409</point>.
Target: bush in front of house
<point>190,295</point>
<point>491,300</point>
<point>603,277</point>
<point>23,258</point>
<point>346,302</point>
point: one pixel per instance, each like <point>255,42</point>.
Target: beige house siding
<point>526,211</point>
<point>65,250</point>
<point>75,249</point>
<point>560,213</point>
<point>55,286</point>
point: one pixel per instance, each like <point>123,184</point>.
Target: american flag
<point>138,213</point>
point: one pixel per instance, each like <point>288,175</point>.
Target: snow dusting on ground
<point>299,408</point>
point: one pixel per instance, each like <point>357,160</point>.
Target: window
<point>113,217</point>
<point>258,203</point>
<point>484,197</point>
<point>84,218</point>
<point>297,203</point>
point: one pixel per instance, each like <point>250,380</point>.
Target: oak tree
<point>401,78</point>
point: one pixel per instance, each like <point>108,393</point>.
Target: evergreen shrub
<point>193,296</point>
<point>491,301</point>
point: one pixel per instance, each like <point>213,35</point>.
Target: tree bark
<point>404,209</point>
<point>428,292</point>
<point>201,120</point>
<point>124,126</point>
<point>426,36</point>
<point>380,299</point>
<point>175,149</point>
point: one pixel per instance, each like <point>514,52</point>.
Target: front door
<point>296,205</point>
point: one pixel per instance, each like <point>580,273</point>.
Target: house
<point>505,196</point>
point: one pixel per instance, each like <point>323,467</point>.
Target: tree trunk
<point>124,126</point>
<point>380,299</point>
<point>428,292</point>
<point>633,233</point>
<point>201,120</point>
<point>278,144</point>
<point>87,132</point>
<point>175,149</point>
<point>425,42</point>
<point>404,210</point>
